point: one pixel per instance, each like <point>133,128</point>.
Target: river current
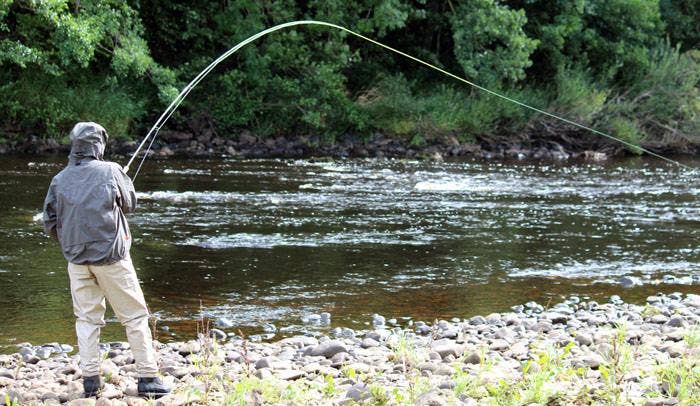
<point>254,244</point>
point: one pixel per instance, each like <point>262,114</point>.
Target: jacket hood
<point>88,140</point>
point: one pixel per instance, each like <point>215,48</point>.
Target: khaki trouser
<point>90,285</point>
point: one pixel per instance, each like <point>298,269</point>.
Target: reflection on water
<point>269,241</point>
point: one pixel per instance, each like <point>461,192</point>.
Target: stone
<point>82,402</point>
<point>44,352</point>
<point>190,347</point>
<point>217,334</point>
<point>674,350</point>
<point>473,358</point>
<point>445,348</point>
<point>499,345</point>
<point>450,333</point>
<point>325,318</point>
<point>583,339</point>
<point>358,392</point>
<point>676,321</point>
<point>176,371</point>
<point>290,374</point>
<point>378,320</point>
<point>223,322</point>
<point>555,317</point>
<point>109,369</point>
<point>329,348</point>
<point>444,370</point>
<point>369,343</point>
<point>427,366</point>
<point>476,320</point>
<point>629,281</point>
<point>131,390</point>
<point>265,362</point>
<point>659,319</point>
<point>505,334</point>
<point>263,373</point>
<point>177,399</point>
<point>340,358</point>
<point>542,327</point>
<point>431,398</point>
<point>299,341</point>
<point>110,392</point>
<point>591,360</point>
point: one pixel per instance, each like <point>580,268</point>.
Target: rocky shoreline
<point>246,145</point>
<point>576,352</point>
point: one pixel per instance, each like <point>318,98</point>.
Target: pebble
<point>629,281</point>
<point>378,320</point>
<point>369,343</point>
<point>358,392</point>
<point>223,322</point>
<point>591,360</point>
<point>445,348</point>
<point>495,347</point>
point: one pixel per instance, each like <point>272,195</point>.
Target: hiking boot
<point>152,387</point>
<point>91,384</point>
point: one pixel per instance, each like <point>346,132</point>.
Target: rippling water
<point>269,241</point>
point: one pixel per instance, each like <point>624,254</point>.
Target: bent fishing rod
<point>153,132</point>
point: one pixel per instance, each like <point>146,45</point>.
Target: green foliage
<point>681,377</point>
<point>396,108</point>
<point>663,105</point>
<point>605,63</point>
<point>576,96</point>
<point>51,104</point>
<point>63,62</point>
<point>681,18</point>
<point>489,42</point>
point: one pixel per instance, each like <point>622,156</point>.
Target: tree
<point>489,42</point>
<point>64,61</point>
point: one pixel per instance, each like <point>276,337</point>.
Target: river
<point>272,241</point>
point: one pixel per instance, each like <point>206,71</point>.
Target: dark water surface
<point>269,241</point>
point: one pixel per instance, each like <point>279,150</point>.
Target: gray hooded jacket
<point>85,205</point>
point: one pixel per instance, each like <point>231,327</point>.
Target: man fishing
<point>84,210</point>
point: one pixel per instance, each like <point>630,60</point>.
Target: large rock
<point>328,349</point>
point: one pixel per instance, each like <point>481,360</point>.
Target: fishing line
<point>153,132</point>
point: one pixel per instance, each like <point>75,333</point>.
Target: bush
<point>50,106</point>
<point>393,107</point>
<point>663,106</point>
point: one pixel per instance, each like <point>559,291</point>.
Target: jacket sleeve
<point>50,221</point>
<point>126,195</point>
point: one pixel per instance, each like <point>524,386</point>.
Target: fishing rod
<point>153,132</point>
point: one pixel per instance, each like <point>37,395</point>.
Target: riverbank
<point>575,352</point>
<point>246,145</point>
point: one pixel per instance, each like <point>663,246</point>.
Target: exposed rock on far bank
<point>577,352</point>
<point>246,145</point>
